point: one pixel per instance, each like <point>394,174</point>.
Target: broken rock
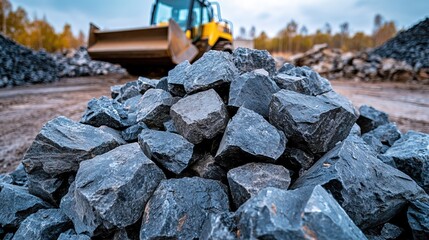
<point>154,107</point>
<point>411,155</point>
<point>214,69</point>
<point>247,181</point>
<point>371,118</point>
<point>200,116</point>
<point>206,167</point>
<point>249,137</point>
<point>307,213</point>
<point>383,137</point>
<point>176,79</point>
<point>418,220</point>
<point>105,111</point>
<point>252,91</point>
<point>170,150</point>
<point>44,224</point>
<point>247,60</point>
<point>179,207</point>
<point>371,196</point>
<point>111,190</point>
<point>131,134</point>
<point>313,123</point>
<point>220,226</point>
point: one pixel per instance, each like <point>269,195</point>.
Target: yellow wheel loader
<point>180,30</point>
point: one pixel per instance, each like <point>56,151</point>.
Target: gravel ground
<point>24,110</point>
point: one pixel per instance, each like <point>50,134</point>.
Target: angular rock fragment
<point>206,167</point>
<point>115,133</point>
<point>16,205</point>
<point>154,107</point>
<point>200,116</point>
<point>44,224</point>
<point>170,127</point>
<point>371,118</point>
<point>105,111</point>
<point>170,150</point>
<point>411,155</point>
<point>127,91</point>
<point>247,60</point>
<point>313,123</point>
<point>162,84</point>
<point>418,220</point>
<point>249,137</point>
<point>307,213</point>
<point>111,190</point>
<point>176,79</point>
<point>356,130</point>
<point>19,176</point>
<point>57,151</point>
<point>388,232</point>
<point>247,181</point>
<point>302,80</point>
<point>115,90</point>
<point>145,84</point>
<point>252,91</point>
<point>383,137</point>
<point>370,191</point>
<point>296,160</point>
<point>131,134</point>
<point>72,235</point>
<point>213,70</point>
<point>179,207</point>
<point>219,226</point>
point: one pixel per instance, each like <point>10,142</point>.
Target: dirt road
<point>24,110</point>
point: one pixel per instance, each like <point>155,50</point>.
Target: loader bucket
<point>142,48</point>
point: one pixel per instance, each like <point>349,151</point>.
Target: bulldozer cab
<point>190,15</point>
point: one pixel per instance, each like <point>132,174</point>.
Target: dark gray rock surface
<point>307,213</point>
<point>371,118</point>
<point>107,112</point>
<point>383,137</point>
<point>418,220</point>
<point>131,134</point>
<point>220,226</point>
<point>170,150</point>
<point>72,235</point>
<point>370,191</point>
<point>411,155</point>
<point>179,207</point>
<point>249,137</point>
<point>248,180</point>
<point>312,123</point>
<point>111,190</point>
<point>206,167</point>
<point>42,225</point>
<point>387,232</point>
<point>176,79</point>
<point>145,84</point>
<point>247,60</point>
<point>214,69</point>
<point>154,107</point>
<point>200,116</point>
<point>17,204</point>
<point>253,91</point>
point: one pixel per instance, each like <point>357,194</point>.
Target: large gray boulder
<point>57,151</point>
<point>312,123</point>
<point>307,213</point>
<point>370,191</point>
<point>111,190</point>
<point>176,78</point>
<point>410,154</point>
<point>302,80</point>
<point>247,181</point>
<point>42,225</point>
<point>170,150</point>
<point>179,207</point>
<point>247,138</point>
<point>247,60</point>
<point>154,107</point>
<point>371,118</point>
<point>16,205</point>
<point>107,112</point>
<point>253,91</point>
<point>200,116</point>
<point>214,69</point>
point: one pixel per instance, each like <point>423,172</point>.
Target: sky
<point>267,15</point>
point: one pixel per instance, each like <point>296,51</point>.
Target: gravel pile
<point>224,148</point>
<point>362,66</point>
<point>411,46</point>
<point>20,65</point>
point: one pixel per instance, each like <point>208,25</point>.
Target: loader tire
<point>223,45</point>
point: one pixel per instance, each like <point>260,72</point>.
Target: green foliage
<point>38,33</point>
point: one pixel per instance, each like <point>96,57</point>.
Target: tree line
<point>294,39</point>
<point>36,33</point>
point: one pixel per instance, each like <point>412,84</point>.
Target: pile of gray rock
<point>78,63</point>
<point>362,66</point>
<point>224,148</point>
<point>20,65</point>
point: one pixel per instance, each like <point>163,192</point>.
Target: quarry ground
<point>24,110</point>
